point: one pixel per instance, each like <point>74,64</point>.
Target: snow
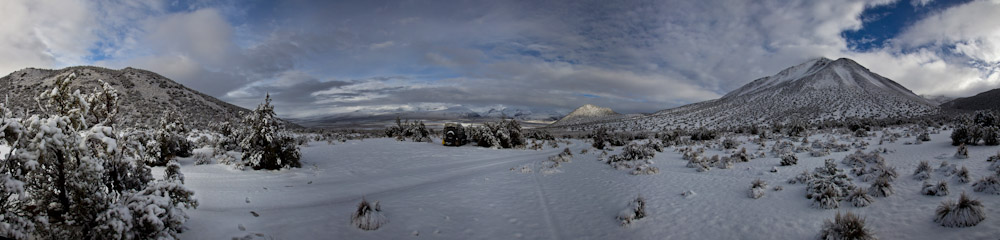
<point>428,190</point>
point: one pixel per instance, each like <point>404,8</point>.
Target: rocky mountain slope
<point>982,101</point>
<point>144,95</point>
<point>815,91</point>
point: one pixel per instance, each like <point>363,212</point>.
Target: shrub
<point>789,159</point>
<point>847,226</point>
<point>730,143</point>
<point>202,158</point>
<point>564,156</point>
<point>501,134</point>
<point>963,152</point>
<point>947,169</point>
<point>960,136</point>
<point>988,184</point>
<point>828,186</point>
<point>923,171</point>
<point>963,175</point>
<point>965,213</point>
<point>703,134</point>
<point>930,189</point>
<point>994,158</point>
<point>169,141</point>
<point>803,177</point>
<point>368,216</point>
<point>636,210</point>
<point>757,188</point>
<point>740,156</point>
<point>924,137</point>
<point>265,143</point>
<point>881,188</point>
<point>860,198</point>
<point>991,136</point>
<point>415,131</point>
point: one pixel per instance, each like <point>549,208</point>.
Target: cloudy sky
<point>324,57</point>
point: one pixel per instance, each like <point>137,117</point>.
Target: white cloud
<point>45,33</point>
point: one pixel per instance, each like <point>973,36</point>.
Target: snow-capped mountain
<point>982,101</point>
<point>379,118</point>
<point>587,113</point>
<point>144,95</point>
<point>815,91</point>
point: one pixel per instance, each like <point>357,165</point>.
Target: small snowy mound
<point>757,188</point>
<point>940,189</point>
<point>965,213</point>
<point>923,171</point>
<point>847,226</point>
<point>989,184</point>
<point>947,169</point>
<point>963,152</point>
<point>368,216</point>
<point>636,210</point>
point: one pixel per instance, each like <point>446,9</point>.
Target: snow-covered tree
<point>169,140</point>
<point>264,141</point>
<point>71,176</point>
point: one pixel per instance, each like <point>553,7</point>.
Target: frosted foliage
<point>844,227</point>
<point>73,177</point>
<point>939,189</point>
<point>828,185</point>
<point>923,171</point>
<point>265,143</point>
<point>988,184</point>
<point>964,213</point>
<point>368,216</point>
<point>757,189</point>
<point>636,210</point>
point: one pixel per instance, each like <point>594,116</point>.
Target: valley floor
<point>430,191</point>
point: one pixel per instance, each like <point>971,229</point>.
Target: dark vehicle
<point>454,135</point>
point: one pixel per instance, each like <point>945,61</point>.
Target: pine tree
<point>265,143</point>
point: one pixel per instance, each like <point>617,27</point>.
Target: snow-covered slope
<point>586,114</point>
<point>144,94</point>
<point>815,91</point>
<point>378,118</point>
<point>982,101</point>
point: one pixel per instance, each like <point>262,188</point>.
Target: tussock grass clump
<point>939,189</point>
<point>988,184</point>
<point>860,198</point>
<point>847,226</point>
<point>881,188</point>
<point>963,175</point>
<point>923,171</point>
<point>963,152</point>
<point>964,213</point>
<point>368,216</point>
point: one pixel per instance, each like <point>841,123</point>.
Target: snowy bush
<point>963,152</point>
<point>564,156</point>
<point>859,198</point>
<point>740,156</point>
<point>939,189</point>
<point>988,184</point>
<point>788,160</point>
<point>73,177</point>
<point>962,175</point>
<point>924,137</point>
<point>368,216</point>
<point>501,134</point>
<point>803,177</point>
<point>169,140</point>
<point>923,171</point>
<point>415,131</point>
<point>991,136</point>
<point>947,169</point>
<point>264,141</point>
<point>881,188</point>
<point>965,213</point>
<point>202,158</point>
<point>847,226</point>
<point>960,136</point>
<point>636,158</point>
<point>636,210</point>
<point>730,143</point>
<point>828,185</point>
<point>757,188</point>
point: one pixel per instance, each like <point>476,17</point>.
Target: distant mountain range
<point>144,95</point>
<point>815,91</point>
<point>989,100</point>
<point>376,119</point>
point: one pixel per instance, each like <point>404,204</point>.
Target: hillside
<point>144,95</point>
<point>989,100</point>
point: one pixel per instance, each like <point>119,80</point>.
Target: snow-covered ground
<point>430,191</point>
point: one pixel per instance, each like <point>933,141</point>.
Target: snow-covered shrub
<point>265,143</point>
<point>847,226</point>
<point>876,171</point>
<point>963,152</point>
<point>988,184</point>
<point>757,188</point>
<point>963,175</point>
<point>931,189</point>
<point>828,185</point>
<point>636,210</point>
<point>789,159</point>
<point>991,136</point>
<point>724,163</point>
<point>881,188</point>
<point>702,134</point>
<point>202,158</point>
<point>730,143</point>
<point>540,135</point>
<point>947,169</point>
<point>960,136</point>
<point>740,156</point>
<point>415,131</point>
<point>73,177</point>
<point>803,177</point>
<point>564,156</point>
<point>965,213</point>
<point>501,134</point>
<point>368,216</point>
<point>819,153</point>
<point>859,198</point>
<point>636,158</point>
<point>923,171</point>
<point>924,137</point>
<point>994,158</point>
<point>169,140</point>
